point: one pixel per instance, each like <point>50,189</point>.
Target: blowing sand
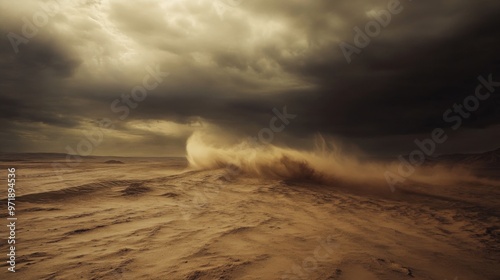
<point>155,219</point>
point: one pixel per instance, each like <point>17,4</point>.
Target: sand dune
<point>185,224</point>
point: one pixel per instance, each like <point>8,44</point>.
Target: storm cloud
<point>231,62</point>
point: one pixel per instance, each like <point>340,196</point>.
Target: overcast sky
<point>230,62</point>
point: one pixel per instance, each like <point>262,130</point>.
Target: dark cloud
<point>231,69</point>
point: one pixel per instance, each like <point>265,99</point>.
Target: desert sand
<point>156,218</point>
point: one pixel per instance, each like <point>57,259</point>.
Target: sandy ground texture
<point>155,219</point>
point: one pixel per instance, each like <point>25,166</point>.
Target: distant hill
<point>114,162</point>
